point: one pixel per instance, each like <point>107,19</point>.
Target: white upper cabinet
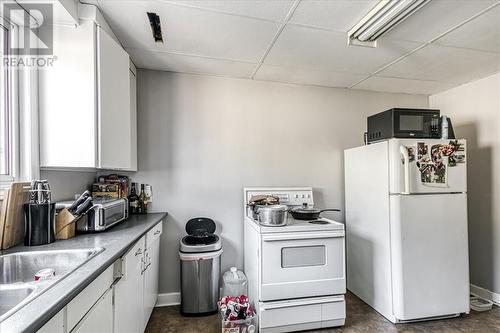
<point>85,102</point>
<point>113,103</point>
<point>67,100</point>
<point>133,116</point>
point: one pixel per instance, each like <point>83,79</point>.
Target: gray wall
<point>65,184</point>
<point>202,139</point>
<point>475,112</point>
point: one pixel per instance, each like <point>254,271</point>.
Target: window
<point>5,109</point>
<point>18,109</point>
<point>9,102</point>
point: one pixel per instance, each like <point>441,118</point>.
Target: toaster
<point>104,214</point>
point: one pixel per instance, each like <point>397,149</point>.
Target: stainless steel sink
<point>12,295</point>
<point>17,274</point>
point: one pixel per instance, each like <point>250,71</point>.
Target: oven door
<point>303,264</point>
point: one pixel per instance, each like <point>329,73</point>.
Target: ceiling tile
<point>320,49</point>
<point>190,30</point>
<point>149,59</point>
<point>436,18</point>
<point>303,76</point>
<point>446,64</point>
<point>482,33</point>
<point>264,9</point>
<point>405,86</point>
<point>339,15</point>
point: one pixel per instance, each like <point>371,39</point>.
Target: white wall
<point>475,112</point>
<point>202,139</point>
<point>65,184</point>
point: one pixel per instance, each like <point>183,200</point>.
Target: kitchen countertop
<point>115,242</point>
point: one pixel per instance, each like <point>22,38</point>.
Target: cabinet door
<point>67,100</point>
<point>100,317</point>
<point>133,120</point>
<point>54,325</point>
<point>128,291</point>
<point>151,279</point>
<point>113,103</point>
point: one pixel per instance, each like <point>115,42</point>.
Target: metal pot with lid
<point>271,215</point>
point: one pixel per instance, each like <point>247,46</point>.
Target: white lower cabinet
<point>129,291</point>
<point>99,319</point>
<point>54,325</point>
<point>136,292</point>
<point>85,300</point>
<point>151,270</point>
<point>119,300</point>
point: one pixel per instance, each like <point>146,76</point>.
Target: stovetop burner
<point>319,222</point>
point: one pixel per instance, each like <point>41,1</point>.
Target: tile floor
<point>360,318</point>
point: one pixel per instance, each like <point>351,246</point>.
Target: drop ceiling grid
<point>276,36</point>
<point>233,64</point>
<point>279,8</point>
<point>435,42</point>
<point>193,31</point>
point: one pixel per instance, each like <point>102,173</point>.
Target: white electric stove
<point>296,273</point>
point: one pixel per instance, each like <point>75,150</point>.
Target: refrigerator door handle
<point>406,159</point>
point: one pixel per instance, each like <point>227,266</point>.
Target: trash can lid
<point>200,226</point>
<point>203,243</point>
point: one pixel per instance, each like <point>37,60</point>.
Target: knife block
<point>66,224</point>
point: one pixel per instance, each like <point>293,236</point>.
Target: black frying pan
<point>310,214</point>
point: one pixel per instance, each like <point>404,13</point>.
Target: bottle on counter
<point>148,189</point>
<point>133,200</point>
<point>143,201</point>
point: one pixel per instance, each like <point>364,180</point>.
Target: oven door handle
<point>302,235</point>
<point>290,304</point>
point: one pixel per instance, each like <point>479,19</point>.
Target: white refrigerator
<point>406,227</point>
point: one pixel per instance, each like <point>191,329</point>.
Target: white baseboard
<point>485,293</point>
<point>168,299</point>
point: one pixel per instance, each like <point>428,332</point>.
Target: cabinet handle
<point>138,252</point>
<point>157,232</point>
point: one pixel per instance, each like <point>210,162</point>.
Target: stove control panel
<point>290,197</point>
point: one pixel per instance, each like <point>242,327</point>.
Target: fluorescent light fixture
<point>382,18</point>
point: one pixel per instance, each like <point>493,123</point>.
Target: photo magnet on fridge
<point>411,154</point>
<point>422,152</point>
<point>458,153</point>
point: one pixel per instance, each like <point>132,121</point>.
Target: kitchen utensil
<point>13,229</point>
<point>83,207</point>
<point>79,201</point>
<point>40,192</point>
<point>305,213</point>
<point>40,223</point>
<point>272,215</point>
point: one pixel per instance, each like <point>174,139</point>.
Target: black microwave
<point>404,123</point>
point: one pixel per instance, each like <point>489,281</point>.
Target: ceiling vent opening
<point>381,19</point>
<point>154,21</point>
